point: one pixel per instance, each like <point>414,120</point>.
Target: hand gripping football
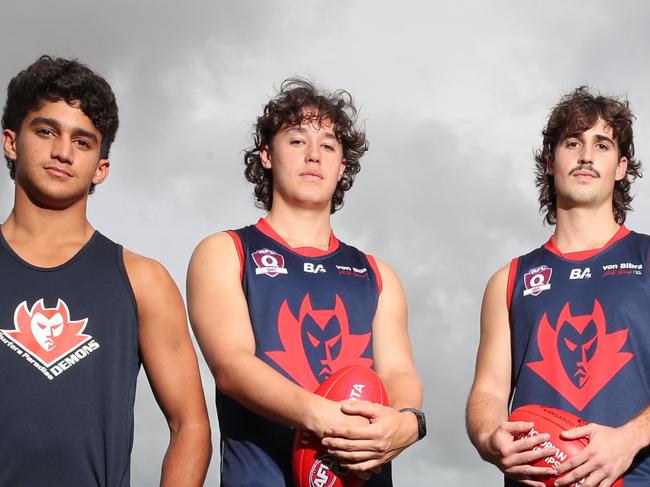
<point>312,466</point>
<point>553,421</point>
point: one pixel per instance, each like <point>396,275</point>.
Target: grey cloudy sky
<point>453,96</point>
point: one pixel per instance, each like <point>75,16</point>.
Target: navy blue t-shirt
<point>312,314</point>
<point>68,367</point>
<point>580,328</point>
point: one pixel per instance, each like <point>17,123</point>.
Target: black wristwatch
<point>422,423</point>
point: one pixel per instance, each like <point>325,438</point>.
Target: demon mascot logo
<point>579,357</point>
<point>317,343</point>
<point>46,333</point>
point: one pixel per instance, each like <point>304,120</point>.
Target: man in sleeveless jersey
<point>278,306</point>
<point>78,313</point>
<point>567,325</point>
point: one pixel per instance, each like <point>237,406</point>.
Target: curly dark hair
<point>575,113</point>
<point>52,79</point>
<point>288,108</point>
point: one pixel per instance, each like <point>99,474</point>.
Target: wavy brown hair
<point>51,79</point>
<point>575,113</point>
<point>299,98</point>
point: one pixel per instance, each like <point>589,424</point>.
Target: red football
<point>312,466</point>
<point>553,421</point>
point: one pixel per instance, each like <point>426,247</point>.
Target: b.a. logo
<point>268,262</point>
<point>579,273</point>
<point>537,279</point>
<point>47,338</point>
<point>312,268</point>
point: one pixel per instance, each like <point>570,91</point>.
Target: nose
<point>62,150</point>
<point>313,153</point>
<point>586,155</point>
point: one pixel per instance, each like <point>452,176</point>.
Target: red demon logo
<point>579,357</point>
<point>46,333</point>
<point>317,343</point>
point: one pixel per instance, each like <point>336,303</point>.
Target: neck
<point>581,229</point>
<point>301,227</point>
<point>34,224</point>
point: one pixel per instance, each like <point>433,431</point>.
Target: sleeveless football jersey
<point>312,314</point>
<point>68,367</point>
<point>580,328</point>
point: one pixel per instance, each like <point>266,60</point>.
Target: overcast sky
<point>453,96</point>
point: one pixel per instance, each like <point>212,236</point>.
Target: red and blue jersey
<point>580,332</point>
<point>311,311</point>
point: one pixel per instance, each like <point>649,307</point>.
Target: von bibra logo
<point>537,279</point>
<point>268,262</point>
<point>47,338</point>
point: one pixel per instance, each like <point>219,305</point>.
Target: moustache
<point>584,167</point>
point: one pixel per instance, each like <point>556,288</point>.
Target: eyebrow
<point>302,130</point>
<point>54,123</point>
<point>599,137</point>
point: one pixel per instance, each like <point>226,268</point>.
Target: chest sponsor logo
<point>622,269</point>
<point>317,342</point>
<point>579,356</point>
<point>268,262</point>
<point>346,270</point>
<point>580,273</point>
<point>312,268</point>
<point>537,279</point>
<point>47,338</point>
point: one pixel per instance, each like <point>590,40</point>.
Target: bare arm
<point>172,369</point>
<point>487,406</point>
<point>221,323</point>
<point>390,432</point>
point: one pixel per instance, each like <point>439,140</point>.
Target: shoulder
<point>642,236</point>
<point>218,256</point>
<point>218,246</point>
<point>500,277</point>
<point>143,268</point>
<point>388,281</point>
<point>385,270</point>
<point>145,274</point>
<point>496,295</point>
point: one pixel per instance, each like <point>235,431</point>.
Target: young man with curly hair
<point>567,324</point>
<point>78,313</point>
<point>279,306</point>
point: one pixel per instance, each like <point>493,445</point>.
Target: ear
<point>101,173</point>
<point>549,164</point>
<point>342,167</point>
<point>9,144</point>
<point>621,168</point>
<point>265,156</point>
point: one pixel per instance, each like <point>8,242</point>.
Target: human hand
<point>607,456</point>
<point>386,433</point>
<point>513,452</point>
